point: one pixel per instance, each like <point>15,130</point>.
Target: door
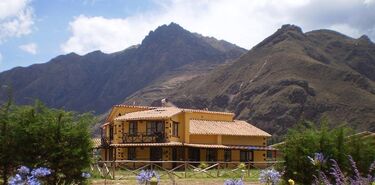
<point>194,154</point>
<point>156,154</point>
<point>177,155</point>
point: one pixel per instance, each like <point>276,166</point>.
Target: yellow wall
<point>244,140</point>
<point>203,139</point>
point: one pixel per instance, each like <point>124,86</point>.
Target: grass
<point>126,177</point>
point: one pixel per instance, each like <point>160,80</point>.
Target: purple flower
<point>337,173</point>
<point>317,160</point>
<point>23,170</point>
<point>41,172</point>
<point>86,175</point>
<point>145,176</point>
<point>32,181</point>
<point>16,180</point>
<point>233,182</point>
<point>269,176</point>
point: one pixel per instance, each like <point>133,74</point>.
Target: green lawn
<point>126,177</point>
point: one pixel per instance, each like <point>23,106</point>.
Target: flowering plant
<point>233,182</point>
<point>340,178</point>
<point>269,176</point>
<point>147,176</point>
<point>317,160</point>
<point>27,177</point>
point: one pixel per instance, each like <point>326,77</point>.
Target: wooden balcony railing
<point>105,142</point>
<point>142,137</point>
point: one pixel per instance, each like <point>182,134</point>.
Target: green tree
<point>39,136</point>
<point>7,139</point>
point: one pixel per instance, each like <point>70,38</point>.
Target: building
<point>176,134</point>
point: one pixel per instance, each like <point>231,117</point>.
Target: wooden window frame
<point>133,128</point>
<point>175,129</point>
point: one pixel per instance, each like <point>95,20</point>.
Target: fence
<point>128,169</point>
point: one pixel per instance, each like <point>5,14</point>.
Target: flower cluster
<point>317,160</point>
<point>146,176</point>
<point>233,182</point>
<point>27,177</point>
<point>269,176</point>
<point>86,175</point>
<point>340,178</point>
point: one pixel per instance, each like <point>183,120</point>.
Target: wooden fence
<point>128,169</point>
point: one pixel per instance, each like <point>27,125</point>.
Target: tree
<point>38,136</point>
<point>7,139</point>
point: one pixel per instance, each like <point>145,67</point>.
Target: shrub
<point>309,140</point>
<point>53,138</point>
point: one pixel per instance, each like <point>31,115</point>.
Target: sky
<point>35,31</point>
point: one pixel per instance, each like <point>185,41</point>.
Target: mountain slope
<point>290,76</point>
<point>96,81</point>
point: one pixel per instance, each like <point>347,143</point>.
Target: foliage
<point>47,137</point>
<point>269,176</point>
<point>309,140</point>
<point>25,177</point>
<point>241,166</point>
<point>202,165</point>
<point>233,182</point>
<point>146,176</point>
<point>340,178</point>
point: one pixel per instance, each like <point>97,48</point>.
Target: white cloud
<point>16,18</point>
<point>1,58</point>
<point>242,22</point>
<point>30,48</point>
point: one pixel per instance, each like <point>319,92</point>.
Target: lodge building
<point>176,134</point>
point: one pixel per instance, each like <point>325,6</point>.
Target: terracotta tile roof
<point>147,144</point>
<point>207,111</point>
<point>234,128</point>
<point>239,147</point>
<point>96,142</point>
<point>135,106</point>
<point>158,113</point>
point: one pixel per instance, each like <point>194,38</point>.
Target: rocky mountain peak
<point>287,31</point>
<point>364,39</point>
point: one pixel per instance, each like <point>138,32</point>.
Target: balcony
<point>105,141</point>
<point>143,137</point>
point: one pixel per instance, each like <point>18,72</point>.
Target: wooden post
<point>185,169</point>
<point>248,169</point>
<point>113,169</point>
<point>218,170</point>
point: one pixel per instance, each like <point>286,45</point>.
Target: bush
<point>40,136</point>
<point>308,140</point>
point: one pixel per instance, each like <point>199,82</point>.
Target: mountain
<point>96,81</point>
<point>291,76</point>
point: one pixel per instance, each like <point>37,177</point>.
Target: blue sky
<point>34,31</point>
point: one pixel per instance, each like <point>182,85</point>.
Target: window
<point>211,155</point>
<point>270,154</point>
<point>175,129</point>
<point>131,154</point>
<point>154,127</point>
<point>133,128</point>
<point>227,155</point>
<point>246,155</point>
